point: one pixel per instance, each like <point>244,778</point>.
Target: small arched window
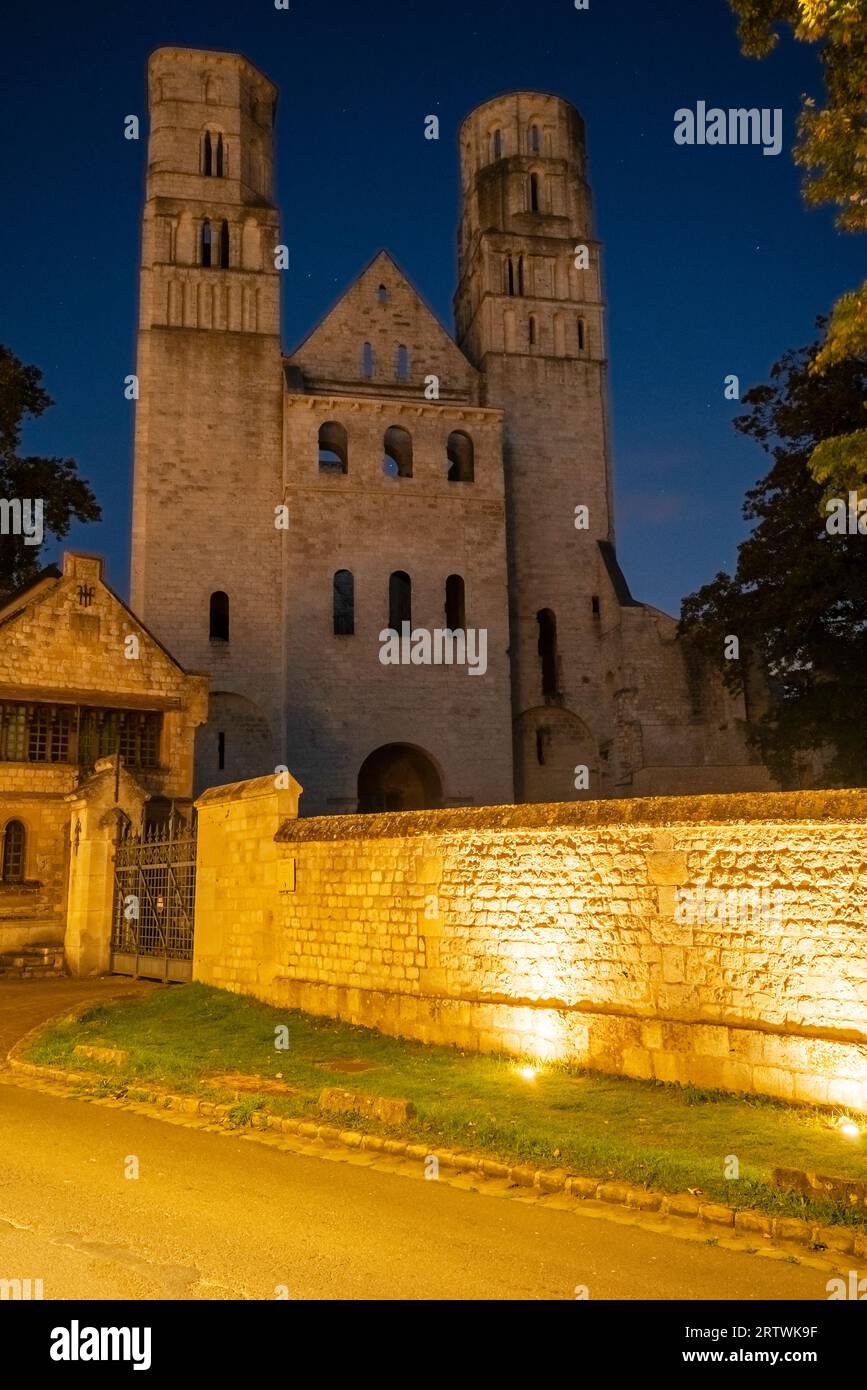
<point>582,335</point>
<point>13,852</point>
<point>456,618</point>
<point>343,603</point>
<point>548,652</point>
<point>398,453</point>
<point>534,192</point>
<point>496,144</point>
<point>520,278</point>
<point>219,617</point>
<point>382,294</point>
<point>534,140</point>
<point>509,275</point>
<point>531,330</point>
<point>399,600</point>
<point>206,244</point>
<point>461,457</point>
<point>224,245</point>
<point>333,448</point>
<point>207,154</point>
<point>219,157</point>
<point>368,361</point>
<point>402,364</point>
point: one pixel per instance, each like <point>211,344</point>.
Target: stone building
<point>96,721</point>
<point>292,510</point>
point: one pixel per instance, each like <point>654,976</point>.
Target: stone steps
<point>33,961</point>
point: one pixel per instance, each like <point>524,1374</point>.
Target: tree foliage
<point>798,597</point>
<point>55,481</point>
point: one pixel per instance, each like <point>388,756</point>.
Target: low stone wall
<point>720,941</point>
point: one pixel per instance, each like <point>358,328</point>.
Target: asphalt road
<point>219,1216</point>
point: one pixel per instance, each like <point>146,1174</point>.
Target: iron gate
<point>154,901</point>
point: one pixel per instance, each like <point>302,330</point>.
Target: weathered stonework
<point>561,931</point>
<point>228,430</point>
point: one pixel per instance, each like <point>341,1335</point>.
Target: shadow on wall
<point>235,744</point>
<point>399,777</point>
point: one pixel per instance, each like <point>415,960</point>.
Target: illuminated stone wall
<point>718,940</point>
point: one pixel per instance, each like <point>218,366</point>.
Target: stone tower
<point>206,558</point>
<point>530,316</point>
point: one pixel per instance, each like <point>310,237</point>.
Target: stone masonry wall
<point>719,941</point>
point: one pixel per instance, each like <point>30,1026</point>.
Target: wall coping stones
<point>784,807</point>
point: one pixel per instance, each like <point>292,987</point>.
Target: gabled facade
<point>292,512</point>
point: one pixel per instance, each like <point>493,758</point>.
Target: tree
<point>798,598</point>
<point>28,480</point>
<point>832,147</point>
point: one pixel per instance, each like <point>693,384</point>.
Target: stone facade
<point>81,680</point>
<point>716,940</point>
<point>383,451</point>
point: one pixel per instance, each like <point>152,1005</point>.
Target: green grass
<point>669,1137</point>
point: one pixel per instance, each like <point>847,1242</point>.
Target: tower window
<point>333,448</point>
<point>224,245</point>
<point>548,652</point>
<point>398,453</point>
<point>594,605</point>
<point>510,275</point>
<point>582,335</point>
<point>535,141</point>
<point>207,154</point>
<point>399,599</point>
<point>13,852</point>
<point>368,361</point>
<point>343,604</point>
<point>218,158</point>
<point>460,454</point>
<point>534,192</point>
<point>520,275</point>
<point>221,751</point>
<point>206,244</point>
<point>219,617</point>
<point>382,294</point>
<point>531,330</point>
<point>496,144</point>
<point>402,363</point>
<point>456,619</point>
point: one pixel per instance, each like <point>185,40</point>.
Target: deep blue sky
<point>712,263</point>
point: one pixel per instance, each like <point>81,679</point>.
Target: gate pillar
<point>97,808</point>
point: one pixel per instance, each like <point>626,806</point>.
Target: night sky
<point>712,263</point>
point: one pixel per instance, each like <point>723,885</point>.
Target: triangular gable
<point>384,309</point>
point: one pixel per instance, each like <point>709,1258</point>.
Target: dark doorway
<point>398,777</point>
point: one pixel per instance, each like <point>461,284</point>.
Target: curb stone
<point>794,1230</point>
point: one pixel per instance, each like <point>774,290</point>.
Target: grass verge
<point>670,1138</point>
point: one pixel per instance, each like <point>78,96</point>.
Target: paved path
<point>215,1215</point>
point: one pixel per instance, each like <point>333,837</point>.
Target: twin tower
<point>290,510</point>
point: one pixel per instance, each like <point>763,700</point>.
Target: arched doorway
<point>398,777</point>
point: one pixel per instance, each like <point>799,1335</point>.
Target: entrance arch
<point>398,777</point>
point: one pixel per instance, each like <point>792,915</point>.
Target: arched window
<point>520,285</point>
<point>382,294</point>
<point>206,243</point>
<point>343,603</point>
<point>398,453</point>
<point>534,192</point>
<point>399,600</point>
<point>548,652</point>
<point>582,335</point>
<point>461,457</point>
<point>218,157</point>
<point>509,275</point>
<point>531,330</point>
<point>219,617</point>
<point>402,365</point>
<point>207,154</point>
<point>368,361</point>
<point>496,144</point>
<point>224,245</point>
<point>534,140</point>
<point>13,852</point>
<point>456,618</point>
<point>333,448</point>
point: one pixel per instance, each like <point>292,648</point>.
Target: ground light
<point>849,1128</point>
<point>528,1073</point>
